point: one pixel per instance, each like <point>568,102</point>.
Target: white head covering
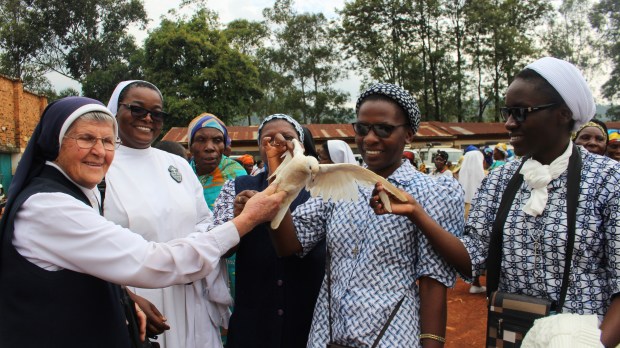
<point>84,110</point>
<point>340,152</point>
<point>572,86</point>
<point>471,173</point>
<point>113,103</point>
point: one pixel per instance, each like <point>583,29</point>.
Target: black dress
<point>275,296</point>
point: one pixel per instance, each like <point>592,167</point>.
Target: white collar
<point>93,195</point>
<point>537,176</point>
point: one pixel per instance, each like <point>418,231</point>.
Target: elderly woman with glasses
<point>158,196</point>
<point>525,247</point>
<point>60,259</point>
<point>381,272</point>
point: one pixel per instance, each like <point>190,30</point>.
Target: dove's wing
<point>287,158</point>
<point>339,182</point>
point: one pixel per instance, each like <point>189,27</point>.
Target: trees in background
<point>73,38</point>
<point>305,56</point>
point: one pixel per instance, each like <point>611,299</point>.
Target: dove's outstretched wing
<point>287,158</point>
<point>339,182</point>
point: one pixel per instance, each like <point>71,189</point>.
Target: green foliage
<point>23,33</point>
<point>197,70</point>
<point>246,36</point>
<point>307,56</point>
<point>613,113</point>
<point>74,38</point>
<point>605,18</point>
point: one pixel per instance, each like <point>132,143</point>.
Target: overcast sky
<point>228,10</point>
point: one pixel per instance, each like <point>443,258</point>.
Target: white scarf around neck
<point>537,176</point>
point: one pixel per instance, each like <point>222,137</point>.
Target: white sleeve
<point>58,229</point>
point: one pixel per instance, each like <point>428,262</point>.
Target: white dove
<point>330,181</point>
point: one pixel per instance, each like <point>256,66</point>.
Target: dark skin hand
<point>445,243</point>
<point>155,321</point>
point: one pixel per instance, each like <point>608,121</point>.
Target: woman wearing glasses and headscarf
<point>379,265</point>
<point>157,195</point>
<point>60,259</point>
<point>545,103</point>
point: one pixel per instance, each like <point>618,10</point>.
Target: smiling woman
<point>158,196</point>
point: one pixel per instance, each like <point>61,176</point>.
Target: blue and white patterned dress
<point>534,247</point>
<point>376,260</point>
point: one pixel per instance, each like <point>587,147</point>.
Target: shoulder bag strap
<point>389,321</point>
<point>494,259</point>
<point>572,198</point>
<point>328,273</point>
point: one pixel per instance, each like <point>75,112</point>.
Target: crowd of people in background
<point>184,232</point>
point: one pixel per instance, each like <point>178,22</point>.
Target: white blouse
<point>56,231</point>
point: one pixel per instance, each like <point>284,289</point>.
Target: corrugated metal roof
<point>322,132</point>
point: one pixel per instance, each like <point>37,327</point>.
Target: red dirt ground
<point>467,317</point>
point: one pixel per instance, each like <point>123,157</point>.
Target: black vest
<point>40,308</point>
<point>274,296</point>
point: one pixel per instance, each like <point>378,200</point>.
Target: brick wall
<point>20,111</point>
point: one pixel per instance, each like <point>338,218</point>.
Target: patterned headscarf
<point>288,119</point>
<point>206,120</point>
<point>400,96</point>
<point>501,147</point>
<point>591,124</point>
<point>614,136</point>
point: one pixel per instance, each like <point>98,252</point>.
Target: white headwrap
<point>471,173</point>
<point>572,86</point>
<point>113,103</point>
<point>537,176</point>
<point>340,152</point>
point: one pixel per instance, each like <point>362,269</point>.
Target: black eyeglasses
<point>519,113</point>
<point>87,141</point>
<point>140,113</point>
<point>381,130</point>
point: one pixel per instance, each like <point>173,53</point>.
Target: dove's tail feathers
<point>385,200</point>
<point>275,223</point>
<point>393,190</point>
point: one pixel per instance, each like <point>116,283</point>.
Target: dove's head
<point>313,166</point>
